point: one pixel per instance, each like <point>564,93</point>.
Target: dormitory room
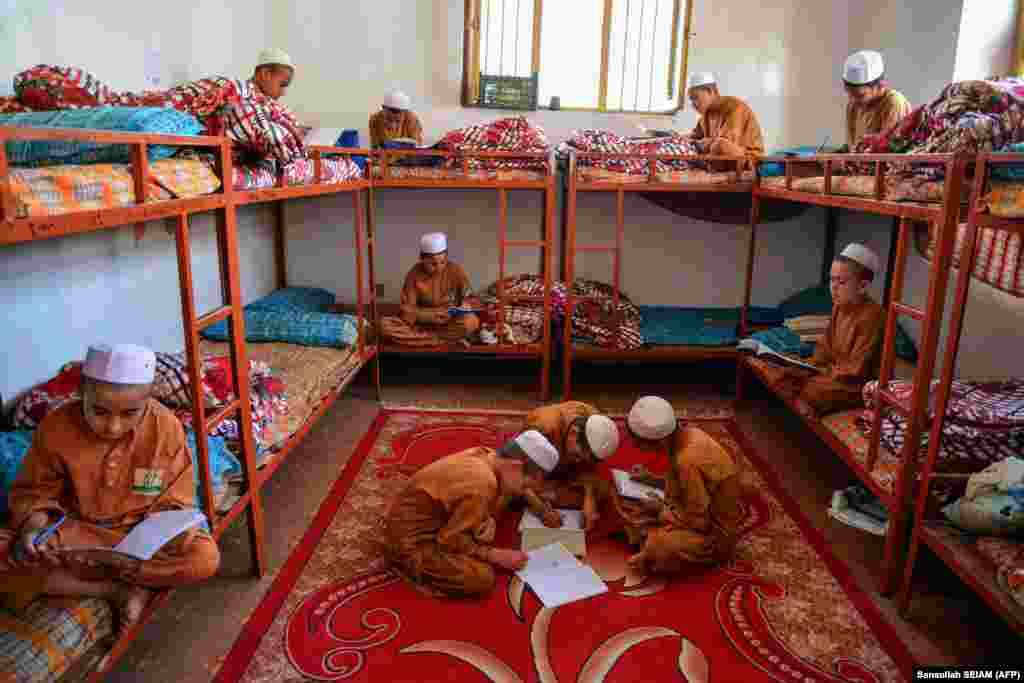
<point>512,341</point>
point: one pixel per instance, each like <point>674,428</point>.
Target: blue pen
<point>44,535</point>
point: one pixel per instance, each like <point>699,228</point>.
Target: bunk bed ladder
<point>572,249</point>
<point>227,247</point>
<point>951,351</point>
<point>371,246</point>
<point>931,322</point>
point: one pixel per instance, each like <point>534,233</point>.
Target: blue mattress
<point>681,326</point>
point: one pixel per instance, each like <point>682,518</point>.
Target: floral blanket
<point>602,141</point>
<point>597,321</point>
<point>524,320</point>
<point>224,106</point>
<point>514,134</point>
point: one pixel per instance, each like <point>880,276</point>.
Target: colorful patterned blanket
<point>524,320</point>
<point>602,141</point>
<point>597,321</point>
<point>514,134</point>
<point>999,260</point>
<point>224,106</point>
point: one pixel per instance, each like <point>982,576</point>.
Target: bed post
<point>748,281</point>
<point>894,235</point>
<point>7,211</point>
<point>570,270</point>
<point>831,228</point>
<point>280,246</point>
<point>371,243</point>
<point>549,229</point>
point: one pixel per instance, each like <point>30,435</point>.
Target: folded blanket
<point>524,320</point>
<point>514,134</point>
<point>598,321</point>
<point>589,140</point>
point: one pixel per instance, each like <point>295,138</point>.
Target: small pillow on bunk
<point>338,330</point>
<point>40,401</point>
<point>121,119</point>
<point>996,514</point>
<point>13,447</point>
<point>309,299</point>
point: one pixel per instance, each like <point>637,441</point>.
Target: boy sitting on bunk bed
<point>431,287</point>
<point>95,469</point>
<point>850,354</point>
<point>727,125</point>
<point>439,531</point>
<point>583,438</point>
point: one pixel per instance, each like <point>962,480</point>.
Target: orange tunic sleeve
<point>823,349</point>
<point>410,306</point>
<point>862,359</point>
<point>459,534</point>
<point>41,483</point>
<point>412,128</point>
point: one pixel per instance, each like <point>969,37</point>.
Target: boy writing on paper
<point>583,438</point>
<point>438,531</point>
<point>104,463</point>
<point>698,521</point>
<point>431,287</point>
<point>850,353</point>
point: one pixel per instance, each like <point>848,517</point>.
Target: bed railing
<point>543,160</point>
<point>738,162</point>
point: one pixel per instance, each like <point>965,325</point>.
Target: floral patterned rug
<point>785,609</point>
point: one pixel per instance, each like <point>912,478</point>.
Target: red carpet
<point>784,610</point>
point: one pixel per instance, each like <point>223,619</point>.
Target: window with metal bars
<point>587,55</point>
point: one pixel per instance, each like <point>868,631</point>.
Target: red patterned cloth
<point>598,322</point>
<point>44,87</point>
<point>606,142</point>
<point>525,319</point>
<point>1007,554</point>
<point>999,260</point>
<point>975,408</point>
<point>514,134</point>
<point>31,408</point>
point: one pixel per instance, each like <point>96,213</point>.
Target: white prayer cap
<point>538,449</point>
<point>602,436</point>
<point>700,78</point>
<point>272,55</point>
<point>863,67</point>
<point>397,100</point>
<point>120,364</point>
<point>652,418</point>
<point>433,243</point>
<point>862,255</point>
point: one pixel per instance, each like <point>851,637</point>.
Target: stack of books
<point>857,507</point>
<point>810,328</point>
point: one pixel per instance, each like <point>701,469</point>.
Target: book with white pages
<point>558,578</point>
<point>761,349</point>
<point>629,488</point>
<point>570,534</point>
<point>152,533</point>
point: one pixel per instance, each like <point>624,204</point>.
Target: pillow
<point>312,299</point>
<point>338,330</point>
<point>46,87</point>
<point>995,514</point>
<point>38,402</point>
<point>13,447</point>
<point>122,119</point>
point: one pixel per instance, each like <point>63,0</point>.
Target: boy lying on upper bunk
<point>697,522</point>
<point>850,353</point>
<point>102,465</point>
<point>583,438</point>
<point>439,529</point>
<point>727,125</point>
<point>431,288</point>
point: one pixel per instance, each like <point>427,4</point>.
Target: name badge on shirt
<point>148,482</point>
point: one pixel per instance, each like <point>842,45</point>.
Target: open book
<point>558,578</point>
<point>154,532</point>
<point>633,489</point>
<point>762,349</point>
<point>570,534</point>
<point>456,311</point>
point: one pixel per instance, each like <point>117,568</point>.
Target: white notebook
<point>558,578</point>
<point>154,532</point>
<point>634,489</point>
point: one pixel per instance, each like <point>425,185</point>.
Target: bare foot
<point>637,562</point>
<point>130,604</point>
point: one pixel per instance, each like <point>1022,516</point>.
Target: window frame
<point>682,10</point>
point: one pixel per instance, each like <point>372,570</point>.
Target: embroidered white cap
<point>120,364</point>
<point>699,78</point>
<point>862,255</point>
<point>652,417</point>
<point>602,435</point>
<point>538,449</point>
<point>433,243</point>
<point>863,67</point>
<point>397,100</point>
<point>272,55</point>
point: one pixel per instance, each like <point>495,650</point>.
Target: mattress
<point>1005,199</point>
<point>690,177</point>
<point>440,173</point>
<point>897,188</point>
<point>60,189</point>
<point>681,326</point>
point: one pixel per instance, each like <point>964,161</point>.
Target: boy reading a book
<point>438,531</point>
<point>698,521</point>
<point>850,353</point>
<point>103,464</point>
<point>583,438</point>
<point>431,287</point>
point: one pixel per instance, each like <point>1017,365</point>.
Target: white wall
<point>62,294</point>
<point>987,32</point>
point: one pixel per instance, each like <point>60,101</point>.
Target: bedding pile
<point>224,106</point>
<point>524,321</point>
<point>602,141</point>
<point>984,422</point>
<point>513,134</point>
<point>597,321</point>
<point>999,259</point>
<point>810,328</point>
